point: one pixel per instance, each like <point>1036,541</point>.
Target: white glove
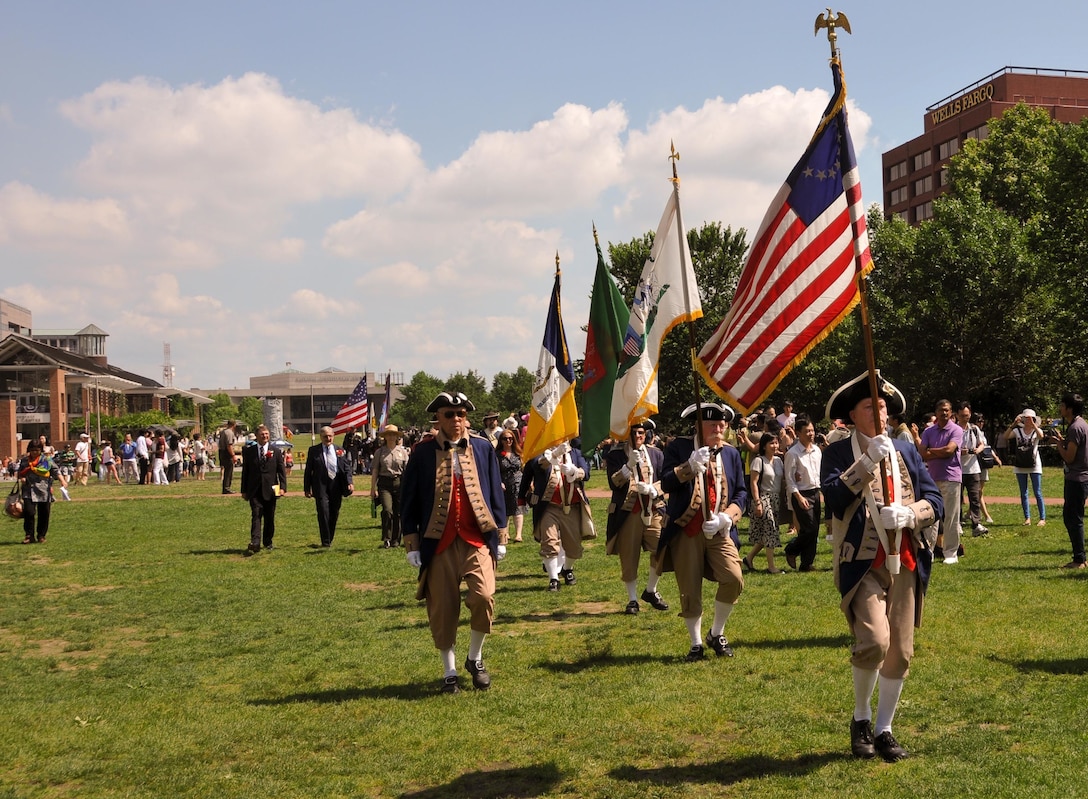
<point>501,552</point>
<point>642,488</point>
<point>64,493</point>
<point>569,470</point>
<point>547,455</point>
<point>625,472</point>
<point>719,522</point>
<point>699,459</point>
<point>415,560</point>
<point>896,517</point>
<point>880,447</point>
<point>651,492</point>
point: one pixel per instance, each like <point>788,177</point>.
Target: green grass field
<point>143,656</point>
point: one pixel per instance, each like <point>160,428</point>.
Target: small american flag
<point>355,412</point>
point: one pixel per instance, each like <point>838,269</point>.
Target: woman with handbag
<point>1023,438</point>
<point>37,472</point>
<point>765,505</point>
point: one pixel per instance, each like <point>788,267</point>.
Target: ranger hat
<point>391,430</point>
<point>847,396</point>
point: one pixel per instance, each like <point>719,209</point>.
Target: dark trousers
<point>808,528</point>
<point>144,465</point>
<point>226,465</point>
<point>1073,516</point>
<point>389,493</point>
<point>40,511</point>
<point>262,520</point>
<point>328,512</point>
<point>972,486</point>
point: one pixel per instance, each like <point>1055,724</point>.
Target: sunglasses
<point>451,414</point>
<point>507,438</point>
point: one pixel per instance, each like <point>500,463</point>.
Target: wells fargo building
<point>914,173</point>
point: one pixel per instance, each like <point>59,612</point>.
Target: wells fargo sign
<point>962,103</point>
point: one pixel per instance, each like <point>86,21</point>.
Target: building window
<point>923,212</point>
<point>902,215</point>
<point>896,171</point>
<point>979,133</point>
<point>949,149</point>
<point>898,196</point>
<point>922,160</point>
<point>945,179</point>
<point>923,186</point>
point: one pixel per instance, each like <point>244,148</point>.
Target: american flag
<point>355,412</point>
<point>801,276</point>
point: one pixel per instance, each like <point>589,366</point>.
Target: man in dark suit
<point>454,520</point>
<point>328,480</point>
<point>264,480</point>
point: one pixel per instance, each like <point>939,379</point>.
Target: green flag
<point>604,349</point>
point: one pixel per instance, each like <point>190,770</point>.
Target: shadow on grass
<point>334,696</point>
<point>602,660</point>
<point>1078,666</point>
<point>228,551</point>
<point>728,772</point>
<point>829,641</point>
<point>514,783</point>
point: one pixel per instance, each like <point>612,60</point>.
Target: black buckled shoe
<point>695,653</point>
<point>889,749</point>
<point>481,680</point>
<point>719,645</point>
<point>451,685</point>
<point>861,738</point>
<point>553,585</point>
<point>568,576</point>
<point>632,608</point>
<point>655,600</point>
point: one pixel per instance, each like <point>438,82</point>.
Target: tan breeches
<point>459,561</point>
<point>696,558</point>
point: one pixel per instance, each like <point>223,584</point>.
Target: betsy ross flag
<point>801,276</point>
<point>553,416</point>
<point>355,412</point>
<point>604,343</point>
<point>665,297</point>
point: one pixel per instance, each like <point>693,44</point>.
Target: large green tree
<point>511,392</point>
<point>411,409</point>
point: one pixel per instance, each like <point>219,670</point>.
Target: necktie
<point>330,462</point>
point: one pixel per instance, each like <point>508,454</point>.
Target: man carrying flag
<point>554,480</point>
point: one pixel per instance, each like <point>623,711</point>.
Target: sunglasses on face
<point>451,414</point>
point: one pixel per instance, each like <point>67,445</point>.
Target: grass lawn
<point>141,655</point>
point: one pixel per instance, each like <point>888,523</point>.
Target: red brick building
<point>914,173</point>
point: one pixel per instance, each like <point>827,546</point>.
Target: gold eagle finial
<point>831,21</point>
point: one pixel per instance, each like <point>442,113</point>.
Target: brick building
<point>914,173</point>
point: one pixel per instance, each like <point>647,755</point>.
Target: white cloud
<point>250,228</point>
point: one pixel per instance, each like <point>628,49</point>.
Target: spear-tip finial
<point>557,262</point>
<point>674,156</point>
<point>596,241</point>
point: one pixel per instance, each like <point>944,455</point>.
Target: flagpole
<point>693,349</point>
<point>831,21</point>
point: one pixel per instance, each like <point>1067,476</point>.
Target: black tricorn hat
<point>450,400</point>
<point>847,396</point>
<point>710,412</point>
<point>646,424</point>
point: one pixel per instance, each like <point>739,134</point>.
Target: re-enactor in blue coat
<point>707,494</point>
<point>882,560</point>
<point>453,517</point>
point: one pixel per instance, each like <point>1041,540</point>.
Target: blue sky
<point>385,186</point>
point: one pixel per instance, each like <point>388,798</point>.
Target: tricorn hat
<point>450,400</point>
<point>846,397</point>
<point>646,424</point>
<point>709,412</point>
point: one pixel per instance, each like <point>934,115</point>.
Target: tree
<point>717,255</point>
<point>512,392</point>
<point>251,413</point>
<point>411,409</point>
<point>220,411</point>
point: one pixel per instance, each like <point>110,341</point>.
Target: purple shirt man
<point>940,449</point>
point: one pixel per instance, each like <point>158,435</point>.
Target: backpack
<point>1023,454</point>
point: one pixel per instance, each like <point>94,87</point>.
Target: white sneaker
<point>951,559</point>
